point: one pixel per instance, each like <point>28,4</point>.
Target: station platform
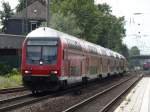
<point>138,100</point>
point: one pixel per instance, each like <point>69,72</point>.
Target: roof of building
<point>34,11</point>
<point>8,41</point>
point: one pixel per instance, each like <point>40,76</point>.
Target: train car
<point>52,59</point>
<point>146,66</point>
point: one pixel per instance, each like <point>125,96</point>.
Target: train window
<point>93,69</point>
<point>92,49</point>
<point>33,54</point>
<point>46,54</point>
<point>49,54</point>
<point>74,70</point>
<point>73,44</point>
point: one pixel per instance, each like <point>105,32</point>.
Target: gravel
<point>13,95</point>
<point>60,103</point>
<point>97,104</point>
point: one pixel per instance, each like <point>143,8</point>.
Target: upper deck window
<point>92,49</point>
<point>74,44</point>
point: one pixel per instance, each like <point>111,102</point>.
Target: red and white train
<point>51,59</point>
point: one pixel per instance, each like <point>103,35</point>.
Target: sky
<point>137,26</point>
<point>12,3</point>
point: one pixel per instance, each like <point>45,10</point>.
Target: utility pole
<point>26,17</point>
<point>48,12</point>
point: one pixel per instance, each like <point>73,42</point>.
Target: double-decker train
<point>52,59</point>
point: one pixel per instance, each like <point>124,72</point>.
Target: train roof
<point>43,32</point>
<point>52,33</point>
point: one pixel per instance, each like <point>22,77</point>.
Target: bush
<point>11,81</point>
<point>10,78</point>
<point>4,69</point>
<point>14,71</point>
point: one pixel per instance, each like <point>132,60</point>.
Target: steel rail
<point>112,102</point>
<point>11,90</point>
<point>18,102</point>
<point>84,102</point>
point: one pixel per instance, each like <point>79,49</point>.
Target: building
<point>10,49</point>
<point>27,20</point>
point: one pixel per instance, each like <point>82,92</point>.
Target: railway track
<point>24,100</point>
<point>13,103</point>
<point>80,106</point>
<point>20,101</point>
<point>12,90</point>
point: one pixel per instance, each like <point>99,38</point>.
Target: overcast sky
<point>13,3</point>
<point>137,26</point>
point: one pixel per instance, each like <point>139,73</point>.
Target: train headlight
<point>54,72</point>
<point>27,72</point>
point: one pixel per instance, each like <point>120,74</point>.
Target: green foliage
<point>13,71</point>
<point>21,5</point>
<point>134,51</point>
<point>5,13</point>
<point>84,19</point>
<point>96,23</point>
<point>65,23</point>
<point>124,51</point>
<point>4,69</point>
<point>11,79</point>
<point>84,14</point>
<point>104,8</point>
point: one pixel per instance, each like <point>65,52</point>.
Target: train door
<point>100,65</point>
<point>87,65</point>
<point>75,60</point>
<point>108,65</point>
<point>66,63</point>
<point>104,64</point>
<point>83,66</point>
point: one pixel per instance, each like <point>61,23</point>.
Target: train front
<point>41,60</point>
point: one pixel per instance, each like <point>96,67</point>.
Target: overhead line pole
<point>48,12</point>
<point>26,17</point>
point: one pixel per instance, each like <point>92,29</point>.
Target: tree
<point>5,14</point>
<point>21,5</point>
<point>104,8</point>
<point>84,11</point>
<point>65,24</point>
<point>95,22</point>
<point>134,51</point>
<point>124,51</point>
<point>112,30</point>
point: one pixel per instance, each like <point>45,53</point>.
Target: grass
<point>12,79</point>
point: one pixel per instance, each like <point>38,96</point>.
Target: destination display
<point>42,42</point>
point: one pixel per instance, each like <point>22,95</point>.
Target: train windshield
<point>41,52</point>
